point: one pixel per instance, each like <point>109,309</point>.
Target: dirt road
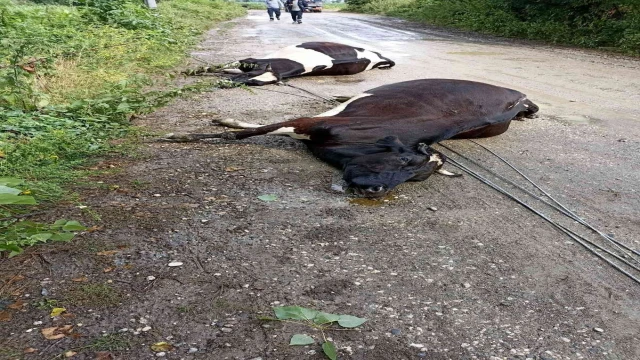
<point>445,269</point>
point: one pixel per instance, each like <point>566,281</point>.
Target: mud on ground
<point>445,269</point>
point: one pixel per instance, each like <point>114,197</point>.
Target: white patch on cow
<point>306,57</point>
<point>338,109</point>
<point>290,131</point>
<point>373,58</point>
<point>436,158</point>
<point>237,124</point>
<point>266,77</point>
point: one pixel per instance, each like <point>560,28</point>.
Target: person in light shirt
<point>273,7</point>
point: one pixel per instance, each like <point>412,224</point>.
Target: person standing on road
<point>273,7</point>
<point>296,7</point>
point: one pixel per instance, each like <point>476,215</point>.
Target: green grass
<point>94,295</point>
<point>334,6</point>
<point>605,24</point>
<point>111,342</point>
<point>71,78</point>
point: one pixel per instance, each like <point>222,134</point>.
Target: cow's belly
<point>309,59</point>
<point>345,68</point>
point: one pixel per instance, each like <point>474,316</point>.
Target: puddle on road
<point>481,53</point>
<point>373,202</point>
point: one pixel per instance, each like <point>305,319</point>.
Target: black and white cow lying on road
<point>310,58</point>
<point>381,138</point>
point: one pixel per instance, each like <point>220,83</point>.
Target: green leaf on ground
<point>301,339</point>
<point>294,312</point>
<point>73,226</point>
<point>349,321</point>
<point>268,197</point>
<point>9,181</point>
<point>9,190</point>
<point>6,199</point>
<point>325,318</point>
<point>329,349</point>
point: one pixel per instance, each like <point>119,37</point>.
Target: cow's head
<point>256,72</point>
<point>375,174</point>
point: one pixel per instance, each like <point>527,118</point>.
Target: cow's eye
<point>405,160</point>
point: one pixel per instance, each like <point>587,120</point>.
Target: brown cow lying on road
<point>381,138</point>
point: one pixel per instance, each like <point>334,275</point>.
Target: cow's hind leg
<point>236,124</point>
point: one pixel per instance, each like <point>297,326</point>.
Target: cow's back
<point>428,110</point>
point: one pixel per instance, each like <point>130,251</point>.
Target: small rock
<point>466,285</point>
<point>594,329</point>
<point>395,331</point>
<point>161,354</point>
<point>40,323</point>
<point>44,292</point>
<point>565,339</point>
<point>227,330</point>
<point>193,350</point>
<point>433,208</point>
<point>146,328</point>
<point>151,277</point>
<point>311,352</point>
<point>175,263</point>
<point>416,345</point>
<point>422,354</point>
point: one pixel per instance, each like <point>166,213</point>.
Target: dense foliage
<point>611,24</point>
<point>72,73</point>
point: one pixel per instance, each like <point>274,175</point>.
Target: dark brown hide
<point>397,121</point>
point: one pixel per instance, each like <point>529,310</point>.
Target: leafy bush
<point>15,234</point>
<point>587,23</point>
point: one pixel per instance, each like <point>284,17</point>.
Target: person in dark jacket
<point>296,7</point>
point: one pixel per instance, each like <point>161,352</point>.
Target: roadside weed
<point>316,320</point>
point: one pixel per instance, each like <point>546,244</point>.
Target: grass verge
<point>72,75</point>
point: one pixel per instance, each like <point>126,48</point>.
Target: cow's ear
<point>268,68</point>
<point>392,143</point>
